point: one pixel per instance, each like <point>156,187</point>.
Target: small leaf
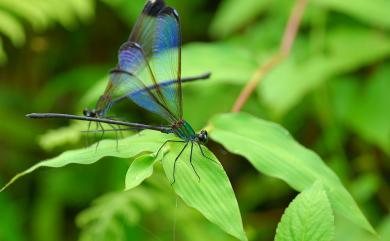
<point>145,141</point>
<point>272,151</point>
<point>140,169</point>
<point>309,217</point>
<point>212,194</point>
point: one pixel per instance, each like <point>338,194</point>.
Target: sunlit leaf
<point>147,141</point>
<point>272,151</point>
<point>140,169</point>
<point>212,194</point>
<point>309,217</point>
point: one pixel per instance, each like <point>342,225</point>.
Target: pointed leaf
<point>140,169</point>
<point>212,194</point>
<point>272,151</point>
<point>309,217</point>
<point>146,141</point>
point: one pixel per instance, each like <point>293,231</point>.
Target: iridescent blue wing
<point>153,55</point>
<point>123,83</point>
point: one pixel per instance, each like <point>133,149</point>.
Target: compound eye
<point>86,112</point>
<point>203,137</point>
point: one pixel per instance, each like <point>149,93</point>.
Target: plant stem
<point>284,51</point>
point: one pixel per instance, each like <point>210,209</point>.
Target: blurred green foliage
<point>331,94</point>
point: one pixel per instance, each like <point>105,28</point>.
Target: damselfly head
<point>92,113</point>
<point>203,137</point>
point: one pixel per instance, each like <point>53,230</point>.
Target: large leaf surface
<point>212,194</point>
<point>272,151</point>
<point>147,141</point>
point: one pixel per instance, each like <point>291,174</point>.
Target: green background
<point>332,94</point>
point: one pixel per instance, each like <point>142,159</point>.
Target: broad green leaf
<point>375,12</point>
<point>228,63</point>
<point>212,194</point>
<point>347,232</point>
<point>348,49</point>
<point>146,141</point>
<point>140,169</point>
<point>272,151</point>
<point>309,217</point>
<point>235,14</point>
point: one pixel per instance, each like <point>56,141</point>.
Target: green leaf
<point>140,169</point>
<point>286,85</point>
<point>12,28</point>
<point>30,11</point>
<point>212,194</point>
<point>227,63</point>
<point>234,14</point>
<point>112,214</point>
<point>309,217</point>
<point>146,141</point>
<point>369,114</point>
<point>272,151</point>
<point>374,12</point>
<point>61,136</point>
